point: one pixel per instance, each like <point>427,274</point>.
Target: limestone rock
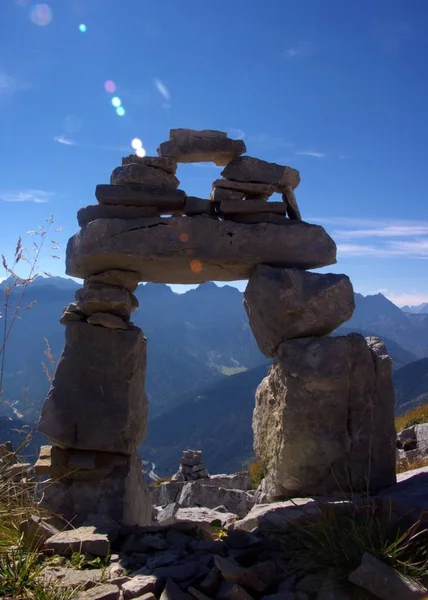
<point>80,464</point>
<point>189,145</point>
<point>255,218</point>
<point>293,210</point>
<point>383,581</point>
<point>197,494</point>
<point>219,195</point>
<point>234,573</point>
<point>289,303</point>
<point>251,207</point>
<point>138,173</point>
<point>97,399</point>
<point>122,495</point>
<point>124,279</point>
<point>260,190</point>
<point>42,465</point>
<point>84,540</point>
<point>66,578</point>
<point>105,591</point>
<point>197,206</point>
<point>110,211</point>
<point>72,313</point>
<point>166,492</point>
<point>166,163</point>
<point>36,531</point>
<point>280,515</point>
<point>324,418</point>
<point>107,320</point>
<point>203,518</point>
<point>249,169</point>
<point>139,585</point>
<point>407,501</point>
<point>141,196</point>
<point>238,481</point>
<point>96,297</point>
<point>194,250</point>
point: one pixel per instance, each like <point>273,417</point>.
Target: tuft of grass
<point>20,566</point>
<point>339,539</point>
<point>255,470</point>
<point>416,416</point>
<point>411,463</point>
<point>159,481</point>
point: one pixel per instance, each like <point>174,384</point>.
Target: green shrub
<point>255,470</point>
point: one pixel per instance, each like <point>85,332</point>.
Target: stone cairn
<point>191,467</point>
<point>324,415</point>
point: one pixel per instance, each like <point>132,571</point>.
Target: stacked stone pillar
<point>95,414</point>
<point>324,416</point>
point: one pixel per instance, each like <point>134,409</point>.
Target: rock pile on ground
<point>203,558</point>
<point>412,443</point>
<point>191,467</point>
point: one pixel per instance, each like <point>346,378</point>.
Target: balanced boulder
<point>289,303</point>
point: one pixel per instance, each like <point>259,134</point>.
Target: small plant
<point>80,561</point>
<point>255,470</point>
<point>415,416</point>
<point>160,480</point>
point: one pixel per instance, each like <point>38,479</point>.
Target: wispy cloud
<point>386,238</point>
<point>164,92</point>
<point>300,49</point>
<point>312,153</point>
<point>37,196</point>
<point>62,139</point>
<point>67,141</point>
<point>11,85</point>
<point>236,134</point>
<point>269,141</point>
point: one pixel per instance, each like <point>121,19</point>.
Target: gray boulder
<point>237,481</point>
<point>110,211</point>
<point>190,145</point>
<point>85,540</point>
<point>289,303</point>
<point>97,399</point>
<point>122,495</point>
<point>324,418</point>
<point>247,168</point>
<point>166,163</point>
<point>97,298</point>
<point>139,173</point>
<point>217,251</point>
<point>209,496</point>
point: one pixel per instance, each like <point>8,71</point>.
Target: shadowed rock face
<point>324,417</point>
<point>97,400</point>
<point>195,250</point>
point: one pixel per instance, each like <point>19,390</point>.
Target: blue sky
<point>337,89</point>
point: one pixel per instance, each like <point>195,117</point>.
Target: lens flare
<point>184,237</point>
<point>196,266</point>
<point>116,101</point>
<point>120,111</point>
<point>136,143</point>
<point>83,28</point>
<point>41,15</point>
<point>140,152</point>
<point>110,86</point>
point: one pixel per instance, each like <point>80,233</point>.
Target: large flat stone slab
<point>190,145</point>
<point>195,249</point>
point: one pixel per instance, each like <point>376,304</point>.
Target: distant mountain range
<point>420,308</point>
<point>203,364</point>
